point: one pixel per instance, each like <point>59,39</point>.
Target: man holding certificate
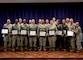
<point>15,35</point>
<point>47,26</point>
<point>32,35</point>
<point>7,37</point>
<point>52,37</point>
<point>70,35</point>
<point>64,30</point>
<point>24,34</point>
<point>41,31</point>
<point>59,35</point>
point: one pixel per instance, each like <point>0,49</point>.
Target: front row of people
<point>45,34</point>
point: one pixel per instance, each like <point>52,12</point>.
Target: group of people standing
<point>38,42</point>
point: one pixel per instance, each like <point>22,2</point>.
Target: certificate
<point>32,33</point>
<point>4,31</point>
<point>42,33</point>
<point>70,33</point>
<point>64,31</point>
<point>23,32</point>
<point>14,32</point>
<point>58,32</point>
<point>51,32</point>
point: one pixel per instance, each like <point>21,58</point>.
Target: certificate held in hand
<point>42,33</point>
<point>64,31</point>
<point>51,32</point>
<point>14,32</point>
<point>32,33</point>
<point>70,33</point>
<point>58,32</point>
<point>4,31</point>
<point>23,32</point>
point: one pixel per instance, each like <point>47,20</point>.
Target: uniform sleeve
<point>67,27</point>
<point>56,28</point>
<point>11,28</point>
<point>76,31</point>
<point>46,29</point>
<point>27,27</point>
<point>38,29</point>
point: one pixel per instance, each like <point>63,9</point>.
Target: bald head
<point>29,21</point>
<point>67,20</point>
<point>71,20</point>
<point>51,22</point>
<point>77,24</point>
<point>57,21</point>
<point>20,20</point>
<point>33,21</point>
<point>42,21</point>
<point>24,20</point>
<point>63,21</point>
<point>47,21</point>
<point>8,21</point>
<point>54,19</point>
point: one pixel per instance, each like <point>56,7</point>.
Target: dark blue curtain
<point>40,10</point>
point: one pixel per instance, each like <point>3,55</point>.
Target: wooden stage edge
<point>41,55</point>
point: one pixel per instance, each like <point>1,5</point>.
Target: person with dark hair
<point>24,38</point>
<point>59,37</point>
<point>64,32</point>
<point>15,37</point>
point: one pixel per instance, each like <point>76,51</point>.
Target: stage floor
<point>40,54</point>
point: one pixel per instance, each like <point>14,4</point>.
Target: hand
<point>72,30</point>
<point>47,34</point>
<point>55,35</point>
<point>3,35</point>
<point>62,35</point>
<point>36,35</point>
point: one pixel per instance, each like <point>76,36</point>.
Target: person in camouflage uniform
<point>24,38</point>
<point>42,39</point>
<point>7,37</point>
<point>33,39</point>
<point>52,38</point>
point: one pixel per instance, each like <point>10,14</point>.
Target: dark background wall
<point>40,10</point>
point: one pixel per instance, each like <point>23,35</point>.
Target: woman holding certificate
<point>52,37</point>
